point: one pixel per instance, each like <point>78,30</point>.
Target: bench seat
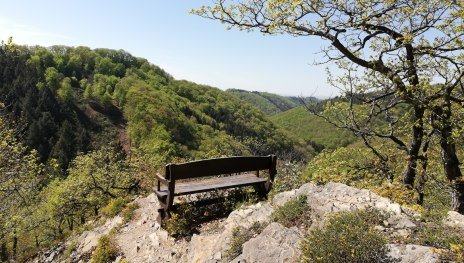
<point>192,187</point>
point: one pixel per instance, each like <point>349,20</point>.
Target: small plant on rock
<point>106,251</point>
<point>240,235</point>
<point>293,213</point>
<point>114,207</point>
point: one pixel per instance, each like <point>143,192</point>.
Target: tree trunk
<point>458,196</point>
<point>453,173</point>
<point>15,245</point>
<point>449,157</point>
<point>409,173</point>
<point>70,223</point>
<point>3,250</point>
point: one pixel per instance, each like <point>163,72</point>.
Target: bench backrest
<point>228,165</point>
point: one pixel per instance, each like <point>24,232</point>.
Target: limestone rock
<point>413,253</point>
<point>337,197</point>
<point>275,244</point>
<point>454,219</point>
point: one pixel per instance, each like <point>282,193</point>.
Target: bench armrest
<point>162,179</point>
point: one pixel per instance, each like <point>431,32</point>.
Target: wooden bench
<point>239,171</point>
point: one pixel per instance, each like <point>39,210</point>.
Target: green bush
<point>292,213</point>
<point>105,252</point>
<point>240,235</point>
<point>288,177</point>
<point>127,212</point>
<point>347,237</point>
<point>114,207</point>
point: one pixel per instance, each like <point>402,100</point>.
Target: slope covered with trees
<point>269,103</point>
<point>312,129</point>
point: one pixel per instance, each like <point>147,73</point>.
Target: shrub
<point>288,177</point>
<point>105,252</point>
<point>347,237</point>
<point>114,207</point>
<point>70,248</point>
<point>240,235</point>
<point>292,213</point>
<point>127,212</point>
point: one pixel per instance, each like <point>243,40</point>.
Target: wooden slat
<point>183,188</point>
<point>218,166</point>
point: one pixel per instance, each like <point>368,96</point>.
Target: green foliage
<point>128,211</point>
<point>22,177</point>
<point>288,177</point>
<point>94,180</point>
<point>268,103</point>
<point>241,235</point>
<point>70,248</point>
<point>105,252</point>
<point>293,213</point>
<point>313,130</point>
<point>356,165</point>
<point>347,237</point>
<point>114,207</point>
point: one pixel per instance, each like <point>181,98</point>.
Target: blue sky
<point>185,45</point>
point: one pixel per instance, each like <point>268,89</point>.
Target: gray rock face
<point>88,240</point>
<point>454,219</point>
<point>275,244</point>
<point>413,254</point>
<point>337,197</point>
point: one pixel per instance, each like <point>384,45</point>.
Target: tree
<point>21,178</point>
<point>395,53</point>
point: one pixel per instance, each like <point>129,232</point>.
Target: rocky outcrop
<point>143,240</point>
<point>275,244</point>
<point>413,254</point>
<point>454,219</point>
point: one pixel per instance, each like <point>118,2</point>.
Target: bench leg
<point>261,190</point>
<point>163,210</point>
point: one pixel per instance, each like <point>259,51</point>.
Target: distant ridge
<point>270,103</point>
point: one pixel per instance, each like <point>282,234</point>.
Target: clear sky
<point>185,45</point>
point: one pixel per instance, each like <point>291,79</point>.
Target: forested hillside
<point>314,130</point>
<point>269,103</point>
<point>81,127</point>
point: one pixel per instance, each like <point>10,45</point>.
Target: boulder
<point>275,244</point>
<point>454,219</point>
